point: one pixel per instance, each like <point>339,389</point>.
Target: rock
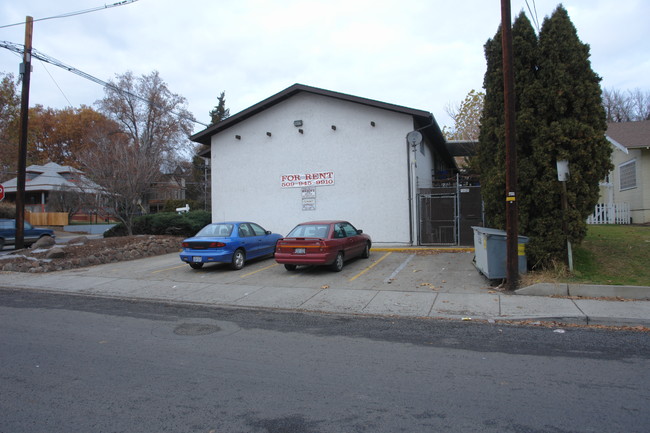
<point>44,242</point>
<point>55,253</point>
<point>78,240</point>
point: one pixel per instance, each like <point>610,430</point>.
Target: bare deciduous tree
<point>125,176</point>
<point>466,117</point>
<point>629,106</point>
<point>151,127</point>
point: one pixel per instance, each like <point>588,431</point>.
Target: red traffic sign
<point>2,192</point>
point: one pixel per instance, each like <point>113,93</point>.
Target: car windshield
<point>216,231</point>
<point>310,231</point>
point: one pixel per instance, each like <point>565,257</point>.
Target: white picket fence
<point>615,213</point>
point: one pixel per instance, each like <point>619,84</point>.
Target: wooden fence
<point>47,218</point>
<point>606,213</point>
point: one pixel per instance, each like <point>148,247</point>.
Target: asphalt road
<point>80,364</point>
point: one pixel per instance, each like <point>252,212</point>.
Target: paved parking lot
<point>384,270</point>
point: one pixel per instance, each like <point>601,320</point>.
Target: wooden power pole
<point>25,71</point>
<point>512,237</point>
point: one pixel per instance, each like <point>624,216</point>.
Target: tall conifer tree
<point>572,128</point>
<point>559,115</point>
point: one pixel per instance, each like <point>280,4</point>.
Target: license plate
<point>196,259</point>
<point>299,251</point>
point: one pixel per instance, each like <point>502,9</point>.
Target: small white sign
<point>308,204</point>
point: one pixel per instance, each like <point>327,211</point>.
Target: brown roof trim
<point>423,118</point>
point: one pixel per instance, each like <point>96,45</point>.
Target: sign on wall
<point>308,198</point>
<point>321,178</point>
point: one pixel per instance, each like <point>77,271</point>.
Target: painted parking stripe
<point>370,267</point>
<point>168,269</point>
<point>259,270</point>
<point>399,268</point>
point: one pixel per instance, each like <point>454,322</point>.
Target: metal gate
<point>447,213</point>
<point>438,217</point>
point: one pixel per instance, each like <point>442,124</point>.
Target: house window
<point>628,175</point>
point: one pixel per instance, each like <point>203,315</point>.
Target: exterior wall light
<point>268,133</point>
<point>301,131</point>
<point>372,123</point>
<point>238,137</point>
<point>333,127</point>
<point>297,123</point>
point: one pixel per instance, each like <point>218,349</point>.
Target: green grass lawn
<point>613,254</point>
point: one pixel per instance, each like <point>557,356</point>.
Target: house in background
<point>312,154</point>
<point>170,186</point>
<point>42,180</point>
<point>628,185</point>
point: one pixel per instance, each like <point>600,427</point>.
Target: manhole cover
<point>192,329</point>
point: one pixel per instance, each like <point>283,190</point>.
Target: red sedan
<point>322,243</point>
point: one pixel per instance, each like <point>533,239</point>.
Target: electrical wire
<point>533,15</point>
<point>55,83</point>
<point>71,14</point>
<point>18,48</point>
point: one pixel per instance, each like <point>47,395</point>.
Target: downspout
<point>410,191</point>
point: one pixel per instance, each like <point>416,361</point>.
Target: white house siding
<point>639,197</point>
<point>370,165</point>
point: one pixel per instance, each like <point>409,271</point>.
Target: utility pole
<point>512,260</point>
<point>25,71</point>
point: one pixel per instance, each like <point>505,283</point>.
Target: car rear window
<point>310,231</point>
<point>216,231</point>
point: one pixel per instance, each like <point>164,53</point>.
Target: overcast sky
<point>422,54</point>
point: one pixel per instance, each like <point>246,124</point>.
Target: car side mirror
<point>268,232</point>
<point>359,232</point>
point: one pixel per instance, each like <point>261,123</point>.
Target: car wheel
<point>338,263</point>
<point>366,251</point>
<point>196,265</point>
<point>238,259</point>
<point>290,267</point>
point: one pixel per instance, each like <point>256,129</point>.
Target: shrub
<point>7,210</point>
<point>165,223</point>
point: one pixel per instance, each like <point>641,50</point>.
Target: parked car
<point>30,233</point>
<point>231,242</point>
<point>322,243</point>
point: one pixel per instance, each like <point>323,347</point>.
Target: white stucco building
<point>311,154</point>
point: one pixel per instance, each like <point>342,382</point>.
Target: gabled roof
<point>50,177</point>
<point>423,120</point>
<point>631,135</point>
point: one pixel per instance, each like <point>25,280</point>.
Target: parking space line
<point>370,267</point>
<point>399,268</point>
<point>168,269</point>
<point>259,270</point>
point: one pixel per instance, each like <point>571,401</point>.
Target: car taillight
<point>185,244</point>
<point>216,245</point>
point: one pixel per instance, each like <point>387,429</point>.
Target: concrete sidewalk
<point>490,306</point>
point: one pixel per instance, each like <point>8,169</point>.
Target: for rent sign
<point>321,178</point>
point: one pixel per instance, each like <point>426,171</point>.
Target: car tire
<point>338,263</point>
<point>238,259</point>
<point>290,267</point>
<point>366,251</point>
<point>196,265</point>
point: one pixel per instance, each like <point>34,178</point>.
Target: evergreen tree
<point>572,128</point>
<point>492,155</point>
<point>559,115</point>
<point>219,112</point>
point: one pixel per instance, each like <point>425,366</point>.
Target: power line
<point>533,15</point>
<point>71,14</point>
<point>43,57</point>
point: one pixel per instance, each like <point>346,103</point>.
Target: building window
<point>628,175</point>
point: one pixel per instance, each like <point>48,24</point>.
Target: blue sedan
<point>228,242</point>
